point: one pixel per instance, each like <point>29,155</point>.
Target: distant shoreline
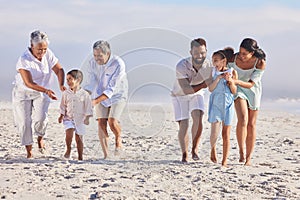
<point>289,105</point>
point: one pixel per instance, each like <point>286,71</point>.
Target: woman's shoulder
<point>261,64</point>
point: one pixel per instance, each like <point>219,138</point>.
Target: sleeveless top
<point>221,101</point>
<point>251,95</point>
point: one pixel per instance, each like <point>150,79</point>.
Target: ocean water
<point>290,105</point>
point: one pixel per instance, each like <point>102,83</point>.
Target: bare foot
<point>242,158</point>
<point>184,158</point>
<point>118,142</point>
<point>118,151</point>
<point>105,155</point>
<point>67,154</point>
<point>195,156</point>
<point>247,163</point>
<point>224,164</point>
<point>213,155</point>
<point>40,142</point>
<point>29,155</point>
<point>29,151</point>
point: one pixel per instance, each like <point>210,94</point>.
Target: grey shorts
<point>114,111</point>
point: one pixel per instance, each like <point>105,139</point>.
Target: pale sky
<point>152,36</point>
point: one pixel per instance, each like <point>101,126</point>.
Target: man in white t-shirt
<point>108,85</point>
<point>192,74</point>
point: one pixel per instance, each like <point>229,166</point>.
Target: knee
<point>243,121</point>
<point>102,124</point>
<point>197,115</point>
<point>251,126</point>
<point>40,126</point>
<point>183,124</point>
<point>113,124</point>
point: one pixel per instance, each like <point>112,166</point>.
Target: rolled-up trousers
<point>30,114</point>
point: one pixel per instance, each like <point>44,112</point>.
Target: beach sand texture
<point>149,165</point>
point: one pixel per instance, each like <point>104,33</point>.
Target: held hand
<point>94,102</point>
<point>86,121</point>
<point>60,119</point>
<point>228,77</point>
<point>51,94</point>
<point>221,76</point>
<point>62,88</point>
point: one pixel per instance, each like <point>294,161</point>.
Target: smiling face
<point>72,82</point>
<point>198,54</point>
<point>100,57</point>
<point>218,62</point>
<point>39,50</point>
<point>245,55</point>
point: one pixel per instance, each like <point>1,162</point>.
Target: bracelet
<point>46,91</point>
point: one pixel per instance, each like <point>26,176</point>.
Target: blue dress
<point>221,101</point>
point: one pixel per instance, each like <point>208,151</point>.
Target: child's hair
<point>76,74</point>
<point>227,53</point>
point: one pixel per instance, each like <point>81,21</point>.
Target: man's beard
<point>198,61</point>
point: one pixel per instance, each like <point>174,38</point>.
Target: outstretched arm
<point>191,89</point>
<point>28,81</point>
<point>60,73</point>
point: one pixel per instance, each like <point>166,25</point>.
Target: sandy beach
<point>148,167</point>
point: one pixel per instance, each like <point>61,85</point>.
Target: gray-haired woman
<point>31,94</point>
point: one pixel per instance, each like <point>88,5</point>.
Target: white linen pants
<point>30,114</point>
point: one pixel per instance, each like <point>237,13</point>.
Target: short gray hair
<point>37,37</point>
<point>102,45</point>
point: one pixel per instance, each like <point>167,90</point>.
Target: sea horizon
<point>284,104</point>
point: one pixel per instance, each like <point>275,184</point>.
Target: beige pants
<point>30,114</point>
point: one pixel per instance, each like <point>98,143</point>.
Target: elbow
<point>29,85</point>
<point>188,91</point>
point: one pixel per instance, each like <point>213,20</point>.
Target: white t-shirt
<point>41,71</point>
<point>185,70</point>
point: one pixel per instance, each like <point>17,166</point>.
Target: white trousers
<point>30,114</point>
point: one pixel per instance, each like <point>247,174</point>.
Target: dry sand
<point>148,167</point>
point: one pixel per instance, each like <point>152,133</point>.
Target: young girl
<point>75,110</point>
<point>221,102</point>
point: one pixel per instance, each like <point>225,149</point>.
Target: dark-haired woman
<point>250,63</point>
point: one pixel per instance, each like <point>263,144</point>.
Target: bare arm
<point>214,83</point>
<point>27,78</point>
<point>231,81</point>
<point>191,89</point>
<point>60,73</point>
<point>102,97</point>
<point>260,65</point>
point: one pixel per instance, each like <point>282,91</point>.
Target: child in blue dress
<point>221,102</point>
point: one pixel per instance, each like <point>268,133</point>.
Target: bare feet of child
<point>247,163</point>
<point>213,155</point>
<point>184,158</point>
<point>195,156</point>
<point>224,164</point>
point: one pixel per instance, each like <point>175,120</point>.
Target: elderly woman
<point>31,93</point>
